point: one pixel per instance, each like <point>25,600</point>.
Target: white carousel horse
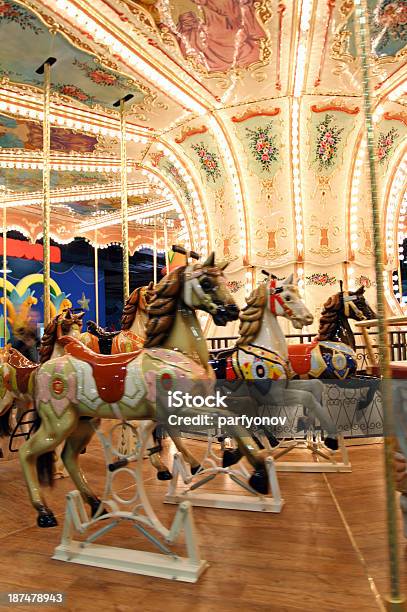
<point>260,357</point>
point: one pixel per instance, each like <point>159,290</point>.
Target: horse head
<point>356,306</point>
<point>284,301</point>
<point>205,289</point>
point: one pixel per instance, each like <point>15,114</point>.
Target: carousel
<point>203,304</point>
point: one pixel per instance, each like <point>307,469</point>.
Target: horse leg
<point>297,393</point>
<point>74,445</point>
<point>182,448</point>
<point>52,431</point>
<point>163,473</point>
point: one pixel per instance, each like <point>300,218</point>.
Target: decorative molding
<point>330,6</point>
<point>188,132</point>
<point>335,107</point>
<point>259,113</point>
<point>281,10</point>
<point>396,117</point>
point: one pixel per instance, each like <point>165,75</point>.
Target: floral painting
<point>14,13</point>
<point>385,144</point>
<point>100,76</point>
<point>389,24</point>
<point>208,161</point>
<point>328,139</point>
<point>321,279</point>
<point>74,92</point>
<point>364,281</point>
<point>234,285</point>
<point>174,173</point>
<point>262,145</point>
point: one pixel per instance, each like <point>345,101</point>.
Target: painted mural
<point>217,35</point>
<point>22,134</point>
<point>26,180</point>
<point>76,74</point>
<point>388,29</point>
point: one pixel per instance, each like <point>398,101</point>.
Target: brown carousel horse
<point>74,385</point>
<point>331,355</point>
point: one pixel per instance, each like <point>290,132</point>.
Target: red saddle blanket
<point>300,357</point>
<point>398,369</point>
<point>109,371</point>
<point>23,367</point>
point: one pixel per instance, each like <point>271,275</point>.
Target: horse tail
<point>45,462</point>
<point>45,468</point>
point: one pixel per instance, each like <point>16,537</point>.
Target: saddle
<point>300,357</point>
<point>109,371</point>
<point>23,368</point>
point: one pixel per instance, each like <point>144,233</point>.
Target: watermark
<point>219,421</point>
<point>179,399</point>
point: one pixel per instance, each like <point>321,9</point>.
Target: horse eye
<point>206,284</point>
<point>287,298</point>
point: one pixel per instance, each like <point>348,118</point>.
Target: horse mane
<point>133,303</point>
<point>163,307</point>
<point>251,315</point>
<point>329,318</point>
<point>50,336</point>
<point>48,340</point>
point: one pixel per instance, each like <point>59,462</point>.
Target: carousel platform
<point>326,551</point>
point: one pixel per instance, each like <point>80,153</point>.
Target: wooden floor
<point>325,552</point>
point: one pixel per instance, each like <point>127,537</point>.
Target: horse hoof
<point>164,475</point>
<point>231,457</point>
<point>273,440</point>
<point>46,519</point>
<point>94,506</point>
<point>195,469</point>
<point>331,443</point>
<point>259,481</point>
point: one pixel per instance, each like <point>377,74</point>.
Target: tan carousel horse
<point>77,385</point>
<point>132,335</point>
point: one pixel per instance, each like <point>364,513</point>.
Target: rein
<point>275,298</point>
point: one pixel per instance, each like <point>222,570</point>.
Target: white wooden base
<point>322,459</point>
<point>132,561</point>
<point>191,488</point>
<point>227,502</point>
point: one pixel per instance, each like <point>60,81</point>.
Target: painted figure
<point>228,37</point>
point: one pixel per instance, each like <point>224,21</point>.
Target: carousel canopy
<point>245,132</point>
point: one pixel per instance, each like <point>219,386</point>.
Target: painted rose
<point>74,92</point>
<point>101,77</point>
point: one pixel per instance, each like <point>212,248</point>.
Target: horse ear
<point>80,316</point>
<point>210,262</point>
<point>223,265</point>
<point>289,280</point>
<point>360,291</point>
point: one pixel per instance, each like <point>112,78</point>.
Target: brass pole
<point>96,278</point>
<point>124,203</point>
<point>4,266</point>
<point>155,255</point>
<point>167,261</point>
<point>396,600</point>
<point>45,69</point>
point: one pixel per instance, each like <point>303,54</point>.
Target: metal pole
<point>155,255</point>
<point>125,215</point>
<point>45,69</point>
<point>396,600</point>
<point>167,261</point>
<point>4,266</point>
<point>96,278</point>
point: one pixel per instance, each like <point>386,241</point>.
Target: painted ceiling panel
<point>76,74</point>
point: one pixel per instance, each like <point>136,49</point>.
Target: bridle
<point>349,305</point>
<point>192,285</point>
<point>276,298</point>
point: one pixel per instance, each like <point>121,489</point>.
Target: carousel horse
<point>132,335</point>
<point>260,357</point>
<point>17,376</point>
<point>76,385</point>
<point>332,353</point>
